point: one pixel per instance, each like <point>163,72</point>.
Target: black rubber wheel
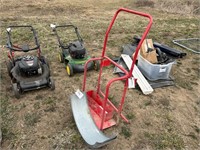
<point>60,57</point>
<point>96,65</point>
<point>9,68</point>
<point>69,70</point>
<point>16,90</point>
<point>51,83</point>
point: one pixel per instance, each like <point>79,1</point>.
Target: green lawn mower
<point>73,54</point>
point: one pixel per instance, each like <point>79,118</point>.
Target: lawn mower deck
<point>27,72</point>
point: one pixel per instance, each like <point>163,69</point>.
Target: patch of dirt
<point>42,119</point>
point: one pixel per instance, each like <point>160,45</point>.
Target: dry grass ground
<point>166,119</point>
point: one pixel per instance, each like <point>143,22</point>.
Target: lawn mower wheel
<point>69,70</point>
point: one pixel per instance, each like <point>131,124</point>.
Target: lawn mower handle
<point>67,25</point>
<point>142,39</point>
<point>15,48</point>
<point>64,26</point>
<point>21,26</point>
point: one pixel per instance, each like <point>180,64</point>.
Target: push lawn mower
<point>73,55</point>
<point>27,72</point>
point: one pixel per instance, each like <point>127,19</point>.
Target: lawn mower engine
<point>30,65</point>
<point>77,50</point>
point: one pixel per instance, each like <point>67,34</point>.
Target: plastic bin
<point>154,71</point>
